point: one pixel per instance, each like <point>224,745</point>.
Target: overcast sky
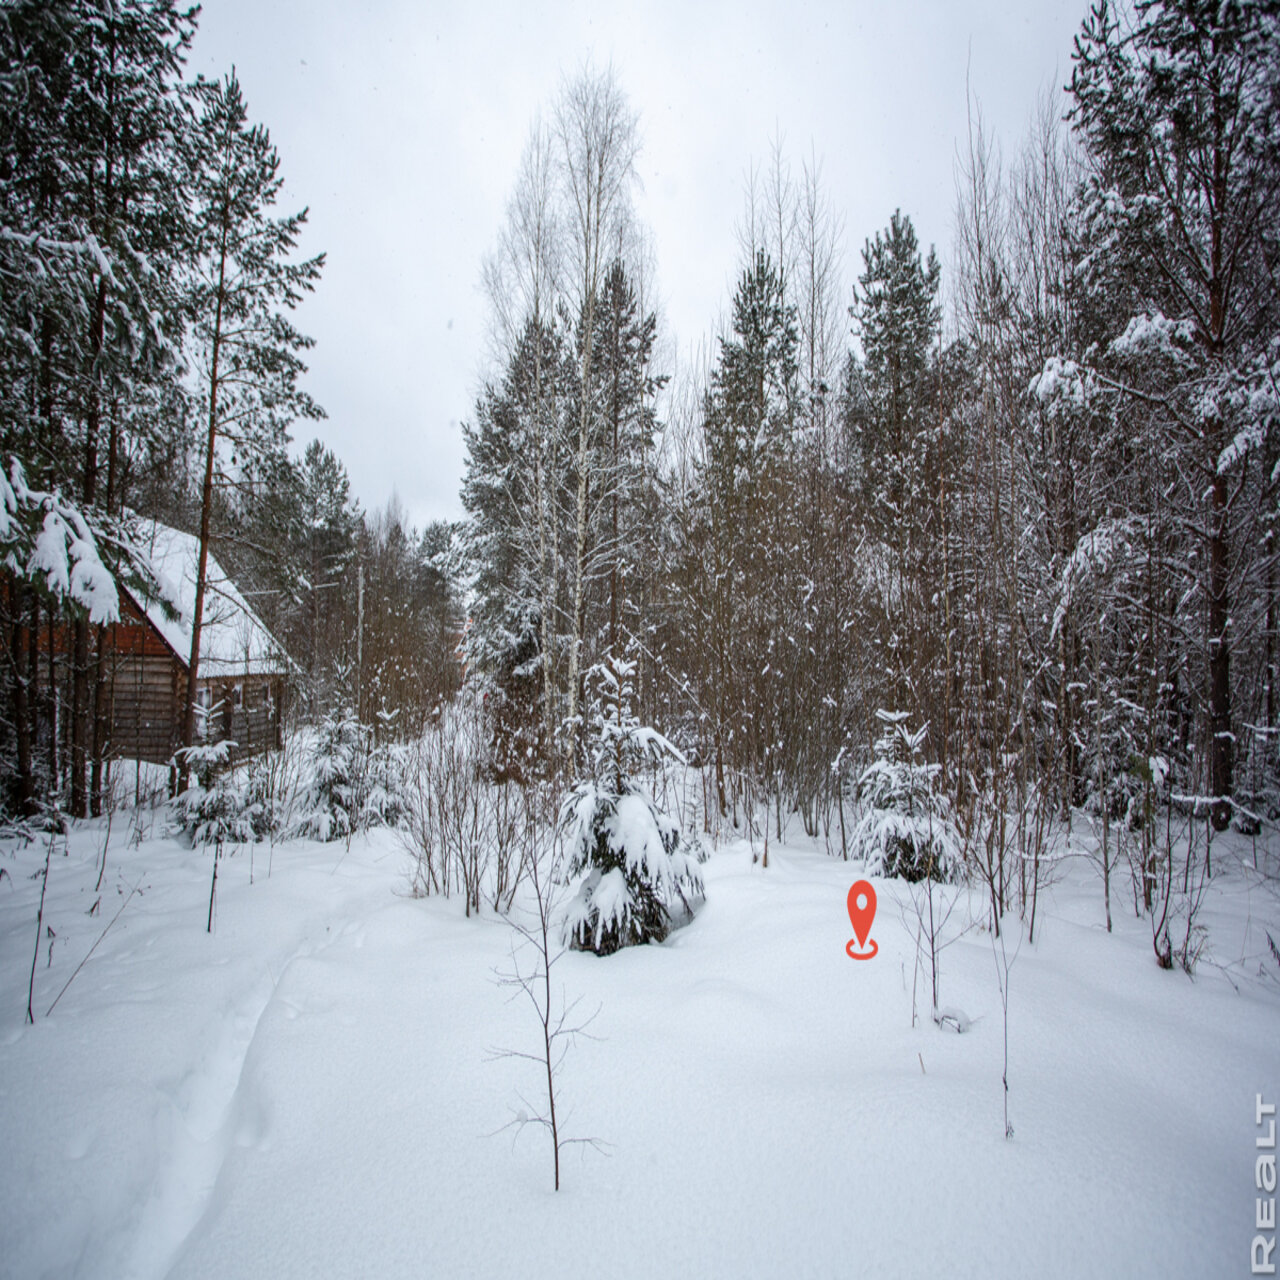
<point>401,124</point>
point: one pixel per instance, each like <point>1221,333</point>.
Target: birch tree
<point>597,136</point>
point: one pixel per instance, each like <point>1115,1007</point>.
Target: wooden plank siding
<point>146,706</point>
<point>146,685</point>
<point>246,710</point>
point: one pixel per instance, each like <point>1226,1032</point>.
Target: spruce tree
<point>326,545</point>
<point>1176,105</point>
<point>749,559</point>
<point>627,384</point>
<point>897,316</point>
<point>637,876</point>
<point>517,492</point>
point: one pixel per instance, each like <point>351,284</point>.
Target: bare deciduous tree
<point>534,954</point>
<point>598,140</point>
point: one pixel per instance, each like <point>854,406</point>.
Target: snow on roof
<point>233,640</point>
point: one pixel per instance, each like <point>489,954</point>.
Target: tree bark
<point>18,643</point>
<point>1222,743</point>
<point>80,709</point>
<point>206,511</point>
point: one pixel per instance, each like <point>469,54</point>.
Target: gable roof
<point>233,639</point>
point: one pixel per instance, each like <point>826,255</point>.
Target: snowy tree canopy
<point>48,541</point>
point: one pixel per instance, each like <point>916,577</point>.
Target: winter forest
<point>517,847</point>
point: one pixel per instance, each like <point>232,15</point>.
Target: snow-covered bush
<point>637,876</point>
<point>351,785</point>
<point>217,807</point>
<point>275,787</point>
<point>330,806</point>
<point>1113,767</point>
<point>906,828</point>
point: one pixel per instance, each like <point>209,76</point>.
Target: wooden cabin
<point>243,672</point>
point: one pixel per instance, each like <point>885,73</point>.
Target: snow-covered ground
<point>311,1090</point>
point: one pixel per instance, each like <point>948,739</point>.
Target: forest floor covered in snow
<point>312,1089</point>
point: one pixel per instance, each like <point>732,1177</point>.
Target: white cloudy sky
<point>400,125</point>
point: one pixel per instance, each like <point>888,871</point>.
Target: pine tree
<point>624,348</point>
<point>244,282</point>
<point>567,424</point>
<point>325,543</point>
<point>906,828</point>
<point>897,317</point>
<point>517,492</point>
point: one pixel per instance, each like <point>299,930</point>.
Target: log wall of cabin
<point>145,683</point>
<point>146,707</point>
<point>148,689</point>
<point>255,724</point>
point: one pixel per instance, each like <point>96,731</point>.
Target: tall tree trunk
<point>101,721</point>
<point>101,696</point>
<point>80,718</point>
<point>546,563</point>
<point>56,763</point>
<point>206,511</point>
<point>22,719</point>
<point>580,525</point>
<point>33,676</point>
<point>80,710</point>
<point>1269,662</point>
<point>1222,744</point>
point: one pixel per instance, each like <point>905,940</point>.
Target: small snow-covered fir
<point>637,875</point>
<point>217,807</point>
<point>331,805</point>
<point>906,828</point>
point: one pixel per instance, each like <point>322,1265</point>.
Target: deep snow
<point>311,1090</point>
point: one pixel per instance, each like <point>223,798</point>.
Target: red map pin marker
<point>862,911</point>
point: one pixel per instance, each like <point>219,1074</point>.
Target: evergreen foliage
<point>637,876</point>
<point>746,527</point>
<point>1179,208</point>
<point>524,473</point>
<point>1046,529</point>
<point>897,318</point>
<point>216,808</point>
<point>332,800</point>
<point>906,829</point>
<point>90,323</point>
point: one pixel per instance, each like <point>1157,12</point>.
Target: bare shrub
<point>465,827</point>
